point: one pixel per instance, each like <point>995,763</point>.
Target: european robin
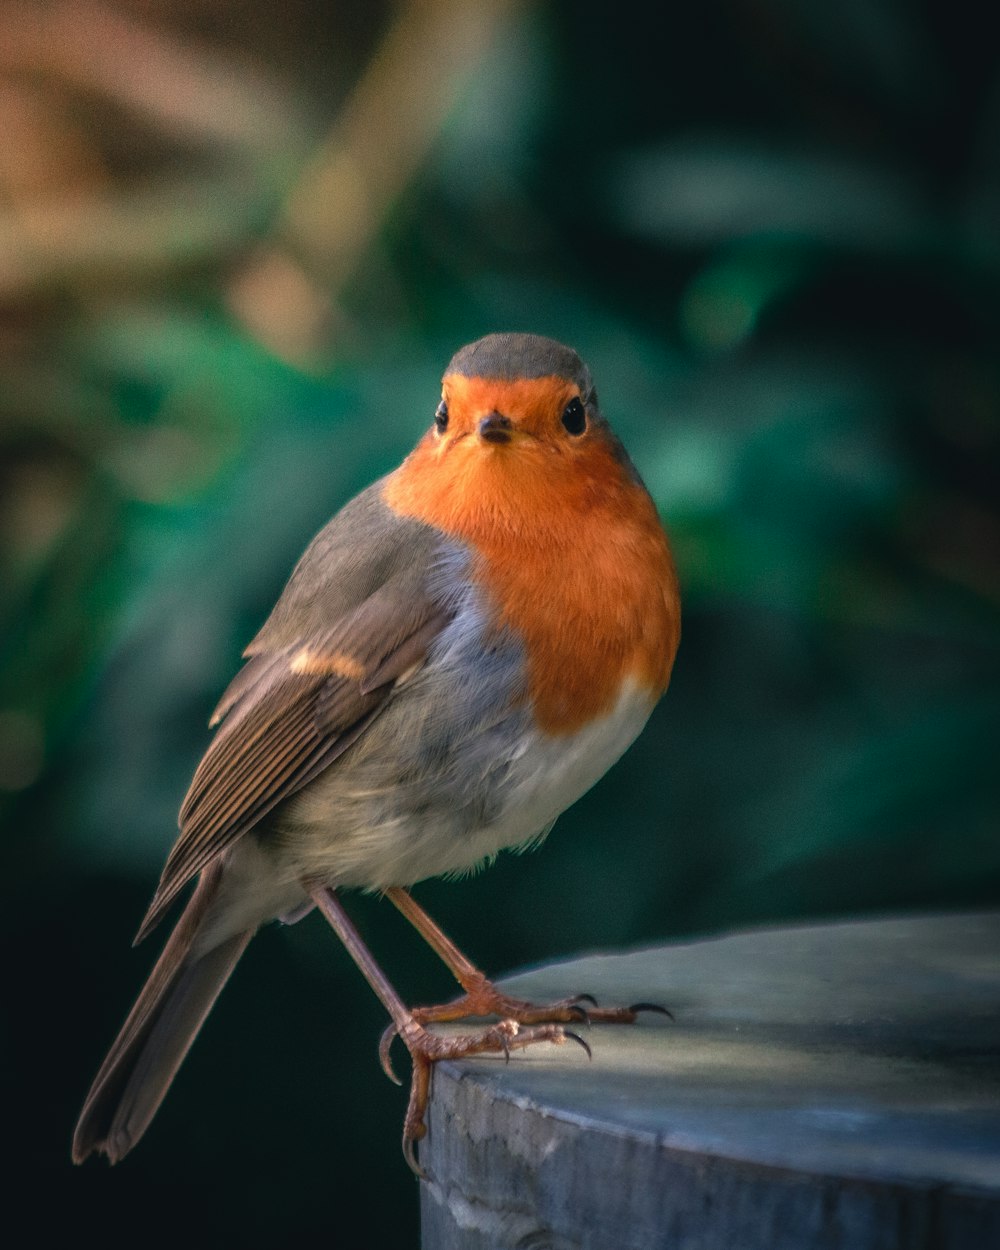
<point>459,655</point>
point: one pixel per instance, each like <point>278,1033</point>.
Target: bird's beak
<point>496,428</point>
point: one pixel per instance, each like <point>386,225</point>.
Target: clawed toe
<point>663,1011</point>
<point>384,1052</point>
<point>577,1038</point>
<point>596,1014</point>
<point>410,1155</point>
<point>426,1049</point>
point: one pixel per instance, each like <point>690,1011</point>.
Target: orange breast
<point>571,552</point>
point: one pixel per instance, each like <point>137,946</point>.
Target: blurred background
<point>238,243</point>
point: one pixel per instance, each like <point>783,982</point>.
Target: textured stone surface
<point>833,1087</point>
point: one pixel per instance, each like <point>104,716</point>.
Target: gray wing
<point>356,616</point>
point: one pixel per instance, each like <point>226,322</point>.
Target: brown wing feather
<point>281,729</point>
<point>355,617</point>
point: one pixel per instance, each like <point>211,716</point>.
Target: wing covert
<point>302,699</point>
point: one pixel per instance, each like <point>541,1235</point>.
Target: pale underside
<point>470,775</point>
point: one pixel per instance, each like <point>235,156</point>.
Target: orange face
<point>506,450</point>
<point>526,409</point>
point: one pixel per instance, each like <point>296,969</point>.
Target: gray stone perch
<point>830,1087</point>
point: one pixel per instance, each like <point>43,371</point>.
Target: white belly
<point>552,773</point>
<point>351,829</point>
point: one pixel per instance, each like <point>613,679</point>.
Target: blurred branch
<point>379,141</point>
<point>124,237</point>
<point>186,90</point>
<point>98,230</point>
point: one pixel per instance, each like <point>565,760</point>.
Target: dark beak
<point>495,428</point>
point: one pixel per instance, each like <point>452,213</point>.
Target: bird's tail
<point>155,1038</point>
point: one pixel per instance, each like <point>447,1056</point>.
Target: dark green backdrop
<point>773,229</point>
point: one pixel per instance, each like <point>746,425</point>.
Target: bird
<point>460,653</point>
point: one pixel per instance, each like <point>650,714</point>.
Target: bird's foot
<point>482,999</point>
<point>426,1049</point>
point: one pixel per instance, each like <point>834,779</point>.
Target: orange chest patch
<point>572,555</point>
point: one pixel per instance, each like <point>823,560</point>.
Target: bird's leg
<point>482,998</point>
<point>425,1048</point>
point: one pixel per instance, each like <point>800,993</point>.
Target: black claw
<point>579,1012</point>
<point>652,1007</point>
<point>585,998</point>
<point>577,1038</point>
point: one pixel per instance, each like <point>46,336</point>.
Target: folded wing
<point>317,674</point>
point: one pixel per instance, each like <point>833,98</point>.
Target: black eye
<point>441,417</point>
<point>574,416</point>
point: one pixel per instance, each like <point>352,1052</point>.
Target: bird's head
<point>517,432</point>
<point>516,390</point>
<point>518,429</point>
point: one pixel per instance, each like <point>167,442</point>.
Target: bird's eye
<point>441,417</point>
<point>574,416</point>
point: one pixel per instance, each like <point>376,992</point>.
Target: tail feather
<point>160,1028</point>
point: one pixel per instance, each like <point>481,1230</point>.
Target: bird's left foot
<point>426,1049</point>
